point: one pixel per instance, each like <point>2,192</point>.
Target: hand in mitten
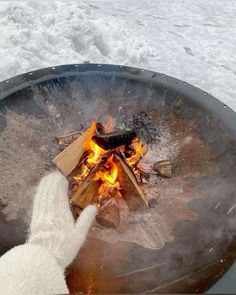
<point>37,267</point>
<point>53,225</point>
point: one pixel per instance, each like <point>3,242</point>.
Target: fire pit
<point>180,238</point>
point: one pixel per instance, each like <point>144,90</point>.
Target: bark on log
<point>131,192</point>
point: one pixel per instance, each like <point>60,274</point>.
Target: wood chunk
<point>163,168</point>
<point>68,159</point>
<point>114,139</point>
<point>86,192</point>
<point>109,214</point>
<point>131,192</point>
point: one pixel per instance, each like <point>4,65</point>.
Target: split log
<point>131,192</point>
<point>163,168</point>
<point>68,159</point>
<point>86,192</point>
<point>109,215</point>
<point>114,139</point>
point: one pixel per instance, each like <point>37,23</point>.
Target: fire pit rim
<point>194,94</point>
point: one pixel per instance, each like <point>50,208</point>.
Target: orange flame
<point>96,153</point>
<point>108,178</point>
<point>91,132</point>
<point>110,174</point>
<point>84,173</point>
<point>140,151</point>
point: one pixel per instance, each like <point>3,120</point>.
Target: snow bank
<point>35,35</point>
<point>190,40</point>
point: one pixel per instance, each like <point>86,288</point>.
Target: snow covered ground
<point>191,40</point>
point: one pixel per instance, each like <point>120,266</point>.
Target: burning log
<point>163,168</point>
<point>131,192</point>
<point>114,139</point>
<point>109,215</point>
<point>86,192</point>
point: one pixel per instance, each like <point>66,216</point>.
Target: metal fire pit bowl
<point>186,240</point>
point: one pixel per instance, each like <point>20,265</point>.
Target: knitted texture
<point>31,269</point>
<point>53,225</point>
<point>54,241</point>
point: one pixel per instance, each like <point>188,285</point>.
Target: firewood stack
<point>86,180</point>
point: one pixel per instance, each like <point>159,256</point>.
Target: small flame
<point>108,178</point>
<point>139,152</point>
<point>96,153</point>
<point>110,174</point>
<point>91,132</point>
<point>83,174</point>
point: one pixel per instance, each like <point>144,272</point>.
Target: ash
<point>144,126</point>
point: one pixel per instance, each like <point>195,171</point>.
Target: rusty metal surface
<point>186,240</point>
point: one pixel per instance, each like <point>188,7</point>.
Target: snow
<point>191,40</point>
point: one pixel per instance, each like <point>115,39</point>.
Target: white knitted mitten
<point>53,225</point>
